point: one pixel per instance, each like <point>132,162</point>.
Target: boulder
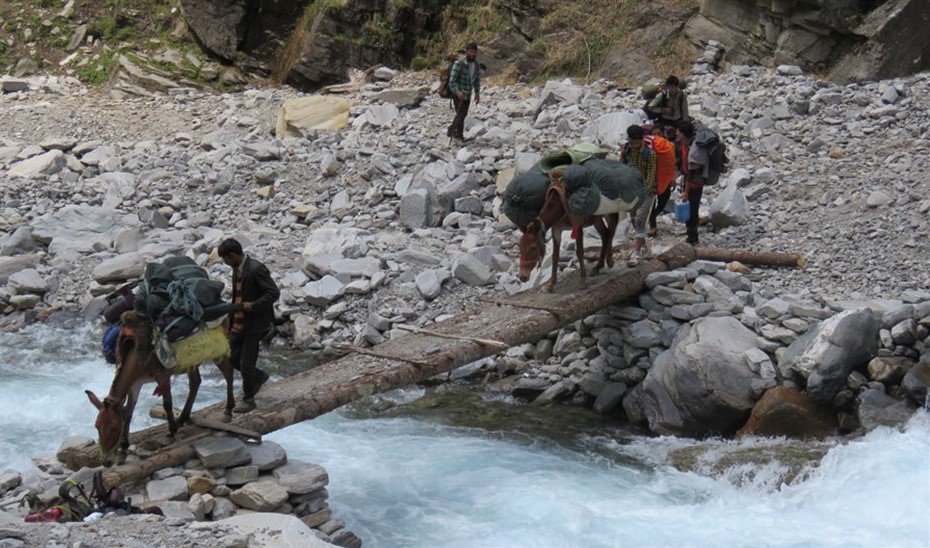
<point>916,383</point>
<point>787,412</point>
<point>828,352</point>
<point>702,384</point>
<point>315,112</point>
<point>879,409</point>
<point>219,25</point>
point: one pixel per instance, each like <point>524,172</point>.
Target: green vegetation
<point>378,31</point>
<point>6,56</point>
<point>96,73</point>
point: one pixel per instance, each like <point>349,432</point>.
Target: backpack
<point>444,74</point>
<point>716,151</point>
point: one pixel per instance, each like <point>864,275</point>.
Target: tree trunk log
<point>322,389</point>
<point>760,258</point>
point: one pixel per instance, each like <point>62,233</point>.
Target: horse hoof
<point>547,289</point>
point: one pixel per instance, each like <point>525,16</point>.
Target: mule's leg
<point>608,240</point>
<point>556,245</point>
<point>226,368</point>
<point>131,400</point>
<point>601,228</point>
<point>579,252</point>
<point>193,383</point>
<point>168,404</point>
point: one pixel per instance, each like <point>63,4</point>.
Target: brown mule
<point>138,364</point>
<point>554,215</point>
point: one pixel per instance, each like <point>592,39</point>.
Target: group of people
<point>660,151</point>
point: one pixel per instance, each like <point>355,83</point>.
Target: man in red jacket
<point>692,185</point>
<point>254,294</point>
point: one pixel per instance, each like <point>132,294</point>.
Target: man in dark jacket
<point>254,294</point>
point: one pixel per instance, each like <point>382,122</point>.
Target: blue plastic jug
<point>683,211</point>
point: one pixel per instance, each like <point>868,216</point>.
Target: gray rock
<point>610,397</point>
<point>827,353</point>
<point>28,281</point>
<point>879,409</point>
<point>261,496</point>
<point>429,284</point>
<point>642,334</point>
<point>128,266</point>
<point>323,291</point>
<point>702,384</point>
<point>267,456</point>
<point>299,478</point>
<point>48,163</point>
<point>240,475</point>
<point>729,208</point>
<point>222,453</point>
<point>916,383</point>
<point>173,488</point>
<point>472,271</point>
<point>668,296</point>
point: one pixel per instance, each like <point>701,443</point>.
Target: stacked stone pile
<point>695,353</point>
<point>226,482</point>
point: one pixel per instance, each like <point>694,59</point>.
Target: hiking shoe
<point>260,383</point>
<point>248,404</point>
<point>634,258</point>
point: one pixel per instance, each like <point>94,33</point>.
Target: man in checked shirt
<point>636,154</point>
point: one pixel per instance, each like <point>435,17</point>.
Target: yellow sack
<point>205,345</point>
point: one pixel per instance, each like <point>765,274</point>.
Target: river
<point>413,479</point>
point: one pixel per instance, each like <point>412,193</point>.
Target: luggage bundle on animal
<point>526,193</point>
<point>178,296</point>
<point>525,196</point>
<point>603,186</point>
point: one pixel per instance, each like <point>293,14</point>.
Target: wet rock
<point>787,412</point>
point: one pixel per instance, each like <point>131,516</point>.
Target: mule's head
<point>532,248</point>
<point>109,426</point>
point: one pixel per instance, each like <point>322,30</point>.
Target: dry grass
<point>289,55</point>
<point>676,57</point>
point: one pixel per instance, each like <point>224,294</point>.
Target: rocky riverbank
<point>231,495</point>
<point>382,222</point>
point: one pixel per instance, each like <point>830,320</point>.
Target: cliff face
<point>847,39</point>
<point>310,43</point>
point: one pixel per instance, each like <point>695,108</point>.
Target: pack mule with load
<point>176,327</point>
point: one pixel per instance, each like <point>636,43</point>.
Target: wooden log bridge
<point>483,330</point>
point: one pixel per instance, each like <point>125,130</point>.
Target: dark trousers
<point>694,198</point>
<point>658,205</point>
<point>244,355</point>
<point>457,129</point>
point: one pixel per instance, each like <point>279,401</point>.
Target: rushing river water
<point>418,481</point>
